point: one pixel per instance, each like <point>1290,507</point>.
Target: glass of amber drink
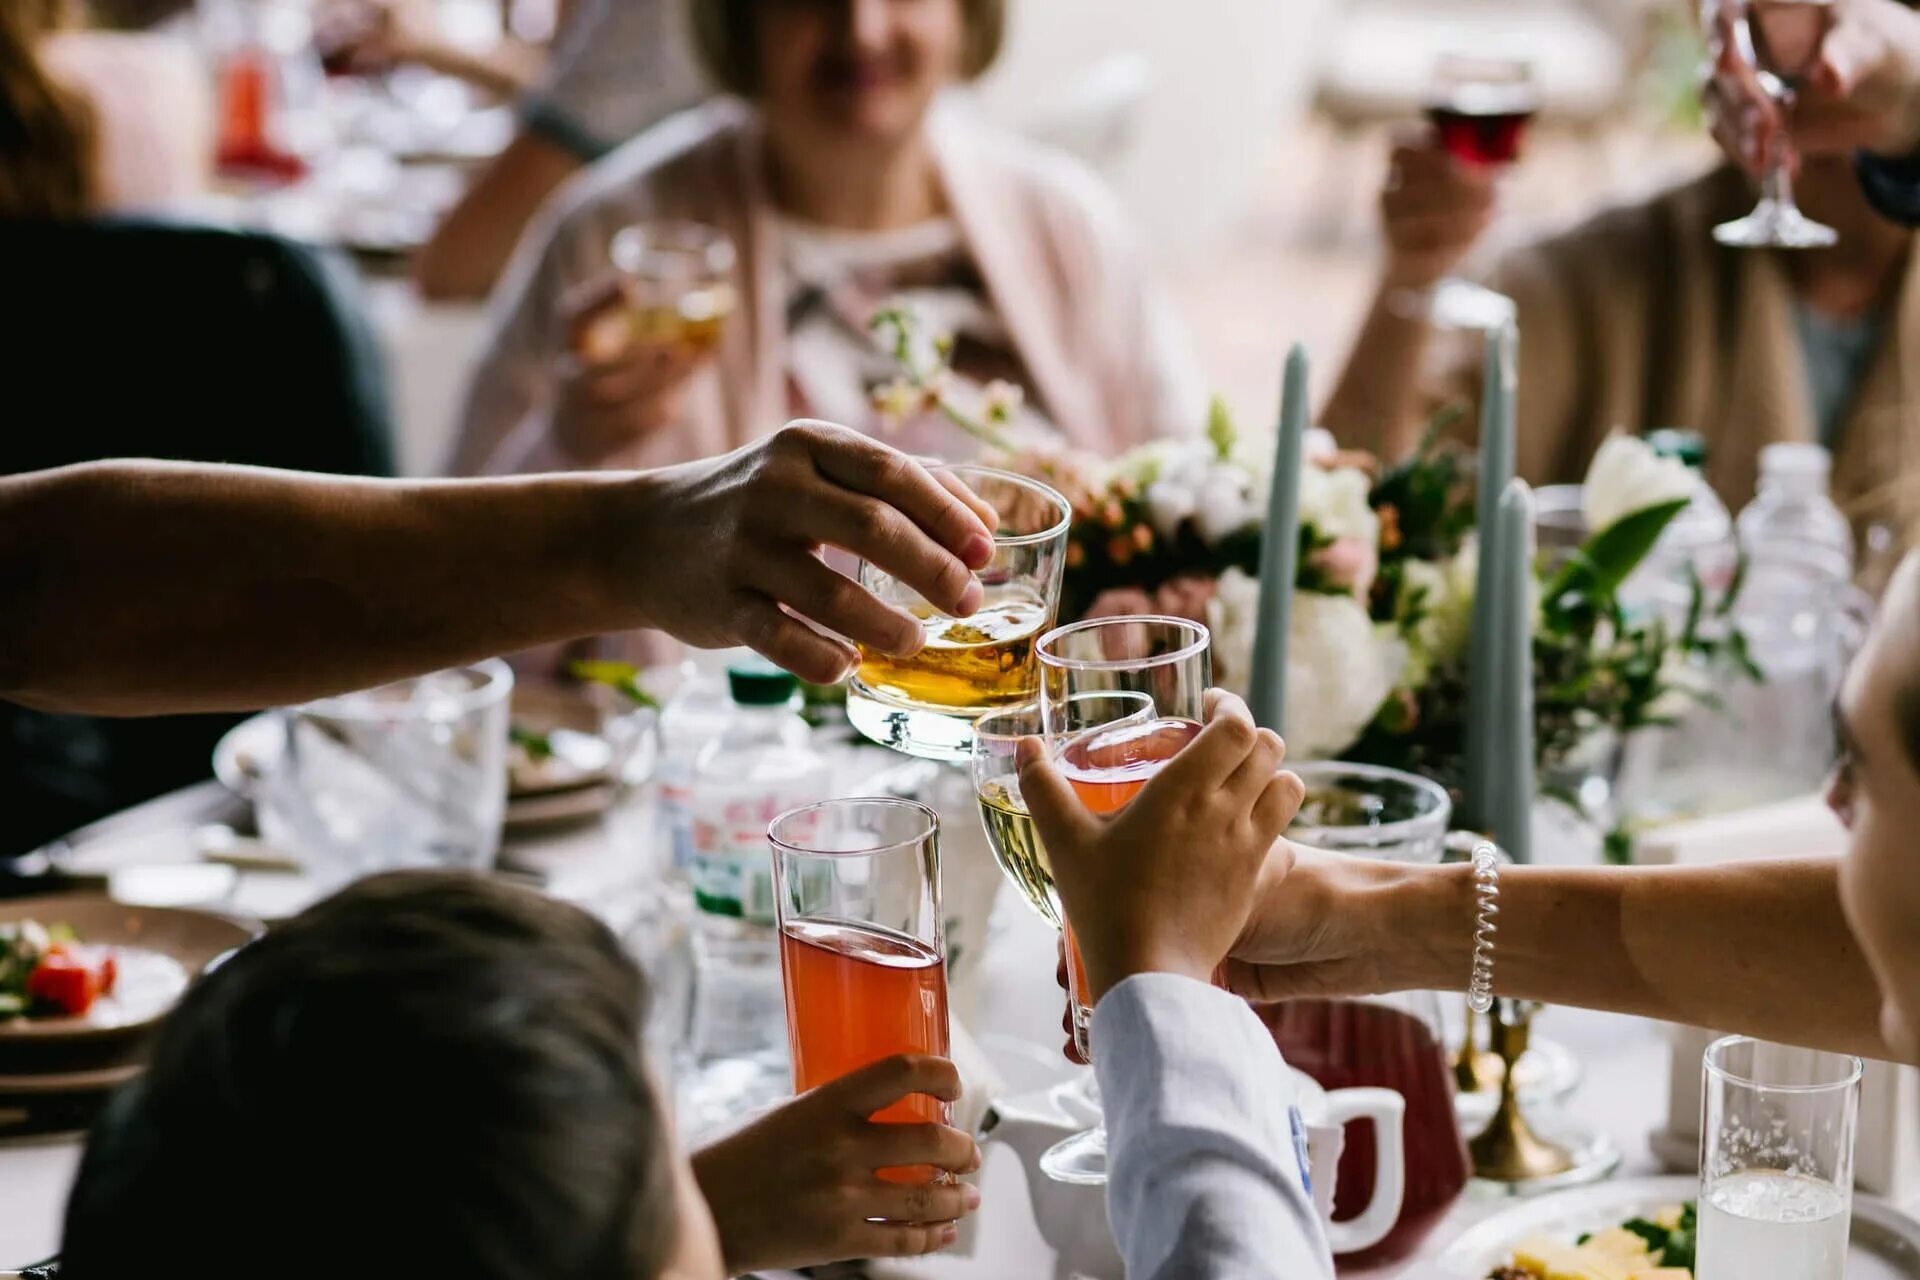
<point>678,282</point>
<point>926,705</point>
<point>856,886</point>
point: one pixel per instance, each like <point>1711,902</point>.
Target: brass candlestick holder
<point>1508,1150</point>
<point>1475,1069</point>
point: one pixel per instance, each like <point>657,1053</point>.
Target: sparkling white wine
<point>1767,1225</point>
<point>1016,845</point>
<point>982,661</point>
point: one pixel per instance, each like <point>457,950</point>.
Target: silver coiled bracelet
<point>1486,923</point>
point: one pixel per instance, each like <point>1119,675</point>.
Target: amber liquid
<point>967,663</point>
<point>697,318</point>
<point>1346,1044</point>
<point>856,994</point>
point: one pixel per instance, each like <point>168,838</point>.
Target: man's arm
<point>142,587</point>
<point>1759,947</point>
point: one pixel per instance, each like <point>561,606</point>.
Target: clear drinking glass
<point>1372,811</point>
<point>411,774</point>
<point>925,705</point>
<point>1119,697</point>
<point>1781,41</point>
<point>678,281</point>
<point>856,886</point>
<point>1777,1127</point>
<point>1479,107</point>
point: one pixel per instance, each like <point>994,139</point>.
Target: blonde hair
<point>47,131</point>
<point>725,39</point>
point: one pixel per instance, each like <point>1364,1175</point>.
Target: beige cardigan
<point>1103,353</point>
<point>1636,319</point>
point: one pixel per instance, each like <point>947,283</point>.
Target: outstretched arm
<point>143,587</point>
<point>1757,947</point>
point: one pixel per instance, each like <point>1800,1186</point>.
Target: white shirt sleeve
<point>1206,1177</point>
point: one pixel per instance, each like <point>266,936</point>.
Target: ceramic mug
<point>1324,1115</point>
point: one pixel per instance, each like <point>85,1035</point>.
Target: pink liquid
<point>1108,767</point>
<point>1347,1044</point>
<point>1480,137</point>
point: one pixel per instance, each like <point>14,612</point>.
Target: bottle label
<point>732,870</point>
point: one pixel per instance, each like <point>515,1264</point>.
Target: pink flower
<point>1120,602</point>
<point>1186,596</point>
<point>1348,564</point>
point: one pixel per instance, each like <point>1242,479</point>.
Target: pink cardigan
<point>1103,351</point>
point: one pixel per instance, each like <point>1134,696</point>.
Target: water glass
<point>1371,811</point>
<point>1777,1129</point>
<point>411,774</point>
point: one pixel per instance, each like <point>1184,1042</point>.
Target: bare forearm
<point>477,236</point>
<point>140,588</point>
<point>1760,947</point>
<point>1376,403</point>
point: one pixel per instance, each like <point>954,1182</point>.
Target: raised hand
<point>725,551</point>
<point>1433,209</point>
<point>1166,884</point>
<point>800,1185</point>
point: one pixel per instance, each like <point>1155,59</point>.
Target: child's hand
<point>800,1185</point>
<point>1166,884</point>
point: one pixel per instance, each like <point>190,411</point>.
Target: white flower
<point>1319,443</point>
<point>1224,503</point>
<point>1340,666</point>
<point>1334,504</point>
<point>1628,476</point>
<point>1168,504</point>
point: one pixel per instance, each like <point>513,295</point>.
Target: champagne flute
<point>1119,697</point>
<point>1479,107</point>
<point>1780,39</point>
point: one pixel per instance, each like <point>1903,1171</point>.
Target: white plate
<point>1886,1243</point>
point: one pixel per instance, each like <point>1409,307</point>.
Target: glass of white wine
<point>926,705</point>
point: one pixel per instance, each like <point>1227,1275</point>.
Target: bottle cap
<point>1795,458</point>
<point>760,684</point>
<point>1684,443</point>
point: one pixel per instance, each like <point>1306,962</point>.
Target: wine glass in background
<point>1479,107</point>
<point>1781,40</point>
<point>1119,697</point>
<point>678,281</point>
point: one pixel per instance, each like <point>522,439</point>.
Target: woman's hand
<point>1341,926</point>
<point>1166,884</point>
<point>1433,210</point>
<point>615,387</point>
<point>800,1185</point>
<point>1864,93</point>
<point>725,551</point>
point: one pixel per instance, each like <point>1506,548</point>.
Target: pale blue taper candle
<point>1280,552</point>
<point>1513,819</point>
<point>1496,469</point>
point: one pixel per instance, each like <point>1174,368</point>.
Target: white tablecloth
<point>1625,1061</point>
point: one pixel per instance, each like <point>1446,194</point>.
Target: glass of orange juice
<point>856,888</point>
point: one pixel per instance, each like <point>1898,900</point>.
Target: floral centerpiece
<point>1384,595</point>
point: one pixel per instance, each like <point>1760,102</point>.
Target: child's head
<point>427,1075</point>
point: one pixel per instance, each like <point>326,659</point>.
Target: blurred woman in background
<point>96,121</point>
<point>844,185</point>
<point>1637,319</point>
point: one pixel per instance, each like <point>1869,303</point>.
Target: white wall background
<point>1228,76</point>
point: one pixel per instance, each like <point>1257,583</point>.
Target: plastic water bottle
<point>692,719</point>
<point>1792,518</point>
<point>762,764</point>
